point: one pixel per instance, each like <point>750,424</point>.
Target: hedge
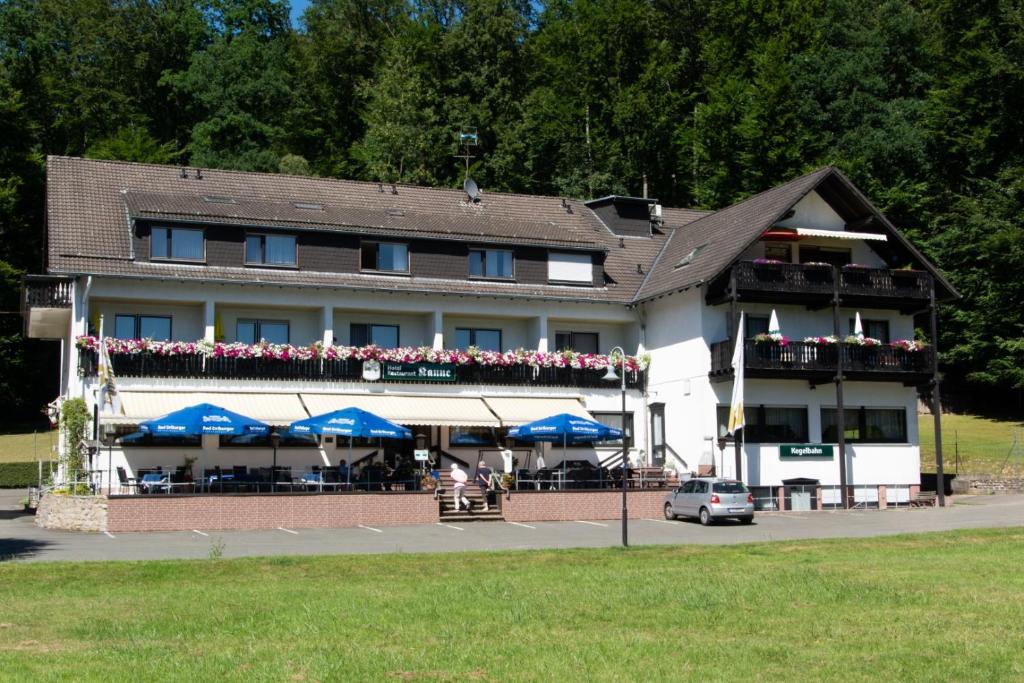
<point>21,474</point>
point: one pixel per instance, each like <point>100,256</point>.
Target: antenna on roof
<point>199,174</point>
<point>468,137</point>
<point>184,172</point>
<point>471,188</point>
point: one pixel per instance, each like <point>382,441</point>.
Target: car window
<point>702,487</point>
<point>688,486</point>
<point>729,487</point>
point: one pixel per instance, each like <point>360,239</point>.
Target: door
<point>698,498</point>
<point>657,434</point>
<point>679,499</point>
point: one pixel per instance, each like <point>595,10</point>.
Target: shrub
<point>21,474</point>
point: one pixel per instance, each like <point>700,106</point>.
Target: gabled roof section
<point>705,248</point>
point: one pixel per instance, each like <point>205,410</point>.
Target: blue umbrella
<point>203,418</point>
<point>351,422</point>
<point>565,428</point>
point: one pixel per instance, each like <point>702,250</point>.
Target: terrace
<point>46,306</point>
<point>814,285</point>
<point>817,363</point>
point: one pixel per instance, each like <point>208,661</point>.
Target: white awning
<point>841,234</point>
<point>520,410</point>
<point>449,411</point>
<point>275,409</point>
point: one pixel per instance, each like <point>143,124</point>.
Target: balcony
<point>817,363</point>
<point>47,306</point>
<point>197,366</point>
<point>813,285</point>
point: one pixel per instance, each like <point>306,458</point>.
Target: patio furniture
<point>127,482</point>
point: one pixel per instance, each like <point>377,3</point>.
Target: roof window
<point>692,256</point>
<point>308,206</point>
<point>218,199</point>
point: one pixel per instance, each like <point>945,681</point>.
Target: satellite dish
<point>470,186</point>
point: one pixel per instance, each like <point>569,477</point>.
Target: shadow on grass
<point>20,548</point>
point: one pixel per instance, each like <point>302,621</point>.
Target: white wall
<point>412,329</point>
<point>186,320</point>
<point>813,212</point>
<point>304,326</point>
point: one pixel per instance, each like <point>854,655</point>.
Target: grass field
<point>928,607</point>
<point>983,444</point>
<point>27,447</point>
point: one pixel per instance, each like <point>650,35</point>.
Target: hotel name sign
<point>807,450</point>
<point>410,372</point>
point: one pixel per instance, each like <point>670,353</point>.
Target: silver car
<point>709,500</point>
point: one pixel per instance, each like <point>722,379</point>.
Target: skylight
<point>218,199</point>
<point>692,256</point>
<point>309,206</point>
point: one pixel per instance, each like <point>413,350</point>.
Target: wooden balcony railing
<point>44,291</point>
<point>802,360</point>
<point>793,278</point>
<point>196,366</point>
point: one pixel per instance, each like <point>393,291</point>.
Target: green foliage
<point>21,474</point>
<point>74,420</point>
<point>133,144</point>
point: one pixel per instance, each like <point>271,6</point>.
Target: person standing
<point>483,480</point>
<point>459,479</point>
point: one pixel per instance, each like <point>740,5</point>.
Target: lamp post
<point>275,441</point>
<point>611,377</point>
<point>109,431</point>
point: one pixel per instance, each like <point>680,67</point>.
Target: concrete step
<point>475,517</point>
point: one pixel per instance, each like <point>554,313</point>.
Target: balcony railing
<point>196,366</point>
<point>803,360</point>
<point>44,291</point>
<point>803,279</point>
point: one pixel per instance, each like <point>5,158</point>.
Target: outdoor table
<point>151,481</point>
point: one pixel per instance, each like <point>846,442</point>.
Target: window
<point>728,487</point>
<point>756,324</point>
<point>253,331</point>
<point>363,334</point>
<point>876,329</point>
<point>270,250</point>
<point>495,263</point>
<point>389,257</point>
<point>769,424</point>
<point>866,425</point>
<point>288,440</point>
<point>472,436</point>
<point>570,267</point>
<point>177,244</point>
<point>832,255</point>
<point>142,327</point>
<point>146,440</point>
<point>614,420</point>
<point>580,342</point>
<point>779,252</point>
<point>483,339</point>
<point>689,486</point>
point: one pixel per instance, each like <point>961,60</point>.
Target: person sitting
<point>344,473</point>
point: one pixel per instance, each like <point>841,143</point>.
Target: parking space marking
<point>109,534</point>
<point>660,521</point>
<point>201,533</point>
<point>584,521</point>
<point>281,528</point>
<point>525,526</point>
<point>370,528</point>
<point>451,526</point>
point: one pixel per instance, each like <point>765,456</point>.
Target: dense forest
<point>712,100</point>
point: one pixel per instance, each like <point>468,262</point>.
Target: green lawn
<point>28,447</point>
<point>927,607</point>
<point>983,444</point>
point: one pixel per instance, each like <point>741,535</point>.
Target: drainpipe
<point>840,414</point>
<point>940,485</point>
<point>641,319</point>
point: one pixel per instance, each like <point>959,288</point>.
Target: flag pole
<point>737,419</point>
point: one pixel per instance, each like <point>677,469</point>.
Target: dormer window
<point>570,267</point>
<point>177,244</point>
<point>385,257</point>
<point>490,263</point>
<point>270,250</point>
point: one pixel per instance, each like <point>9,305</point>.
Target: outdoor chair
<point>126,482</point>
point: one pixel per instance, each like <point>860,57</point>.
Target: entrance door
<point>658,434</point>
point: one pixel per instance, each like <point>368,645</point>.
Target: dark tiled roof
<point>90,204</point>
<point>723,235</point>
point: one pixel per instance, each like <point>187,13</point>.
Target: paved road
<point>21,540</point>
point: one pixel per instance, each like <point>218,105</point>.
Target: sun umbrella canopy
<point>565,428</point>
<point>351,422</point>
<point>858,327</point>
<point>203,418</point>
<point>773,324</point>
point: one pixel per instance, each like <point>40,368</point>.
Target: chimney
<point>645,186</point>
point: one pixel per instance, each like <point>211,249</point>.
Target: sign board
<point>371,370</point>
<point>419,372</point>
<point>421,455</point>
<point>807,450</point>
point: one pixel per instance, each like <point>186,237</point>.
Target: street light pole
<point>610,375</point>
<point>275,440</point>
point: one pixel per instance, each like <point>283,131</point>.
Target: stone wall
<point>987,484</point>
<point>268,511</point>
<point>550,506</point>
<point>72,513</point>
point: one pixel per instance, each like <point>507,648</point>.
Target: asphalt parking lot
<point>22,540</point>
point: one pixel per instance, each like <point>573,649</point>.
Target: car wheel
<point>668,512</point>
<point>705,517</point>
<point>747,520</point>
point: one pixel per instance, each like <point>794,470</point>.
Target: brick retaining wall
<point>551,506</point>
<point>205,512</point>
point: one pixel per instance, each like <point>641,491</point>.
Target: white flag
<point>736,420</point>
<point>109,400</point>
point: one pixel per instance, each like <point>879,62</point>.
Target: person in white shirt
<point>459,478</point>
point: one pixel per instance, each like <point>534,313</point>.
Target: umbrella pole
<point>348,470</point>
<point>565,470</point>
